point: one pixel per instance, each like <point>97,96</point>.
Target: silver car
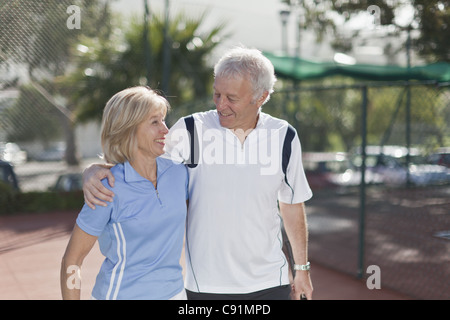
<point>389,162</point>
<point>10,152</point>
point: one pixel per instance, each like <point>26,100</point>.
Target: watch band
<point>302,267</point>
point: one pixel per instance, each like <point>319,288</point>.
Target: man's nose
<point>220,103</point>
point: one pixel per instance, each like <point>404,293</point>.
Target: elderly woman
<point>141,231</point>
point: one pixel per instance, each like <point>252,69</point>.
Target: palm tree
<point>110,65</point>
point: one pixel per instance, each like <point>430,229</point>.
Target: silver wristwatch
<point>302,267</point>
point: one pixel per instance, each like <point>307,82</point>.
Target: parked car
<point>440,157</point>
<point>10,152</point>
<point>333,170</point>
<point>389,162</point>
<point>54,153</point>
<point>8,176</point>
<point>69,182</point>
<point>321,168</point>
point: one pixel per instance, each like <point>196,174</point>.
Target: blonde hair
<point>123,113</point>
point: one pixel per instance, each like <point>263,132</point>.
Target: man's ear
<point>263,98</point>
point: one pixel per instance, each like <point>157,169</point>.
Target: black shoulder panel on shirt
<point>190,126</point>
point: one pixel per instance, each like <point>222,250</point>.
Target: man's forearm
<point>294,218</point>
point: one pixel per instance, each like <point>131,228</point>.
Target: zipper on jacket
<point>157,195</point>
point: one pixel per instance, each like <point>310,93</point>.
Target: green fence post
<point>362,190</point>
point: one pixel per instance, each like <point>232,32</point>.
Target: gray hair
<point>251,63</point>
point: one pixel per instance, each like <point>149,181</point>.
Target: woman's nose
<point>165,129</point>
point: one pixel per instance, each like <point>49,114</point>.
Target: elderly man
<point>237,189</point>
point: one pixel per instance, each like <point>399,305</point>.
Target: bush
<point>7,197</point>
<point>28,202</point>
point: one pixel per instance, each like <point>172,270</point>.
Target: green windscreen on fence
<point>300,69</point>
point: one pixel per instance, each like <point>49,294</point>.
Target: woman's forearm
<point>80,244</point>
<point>70,281</point>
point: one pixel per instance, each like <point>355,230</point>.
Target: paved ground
<point>31,247</point>
<point>405,236</point>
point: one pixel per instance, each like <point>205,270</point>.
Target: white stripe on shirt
<point>122,267</point>
<point>122,258</point>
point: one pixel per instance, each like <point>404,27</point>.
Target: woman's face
<point>151,134</point>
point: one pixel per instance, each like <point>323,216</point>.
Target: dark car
<point>69,182</point>
<point>8,176</point>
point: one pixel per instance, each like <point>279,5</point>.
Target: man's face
<point>236,108</point>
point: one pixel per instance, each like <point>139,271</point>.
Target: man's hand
<point>302,286</point>
<point>95,193</point>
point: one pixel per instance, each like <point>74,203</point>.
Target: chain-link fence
<point>60,62</point>
<point>38,135</point>
<point>399,219</point>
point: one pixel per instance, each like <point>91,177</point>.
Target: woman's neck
<point>146,168</point>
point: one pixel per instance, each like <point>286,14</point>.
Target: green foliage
<point>7,198</point>
<point>434,25</point>
<point>328,117</point>
<point>125,58</point>
<point>29,202</point>
<point>431,19</point>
